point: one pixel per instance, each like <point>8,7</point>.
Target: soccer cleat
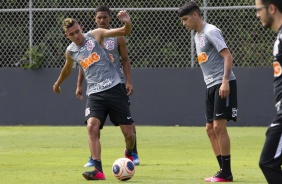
<point>94,175</point>
<point>136,160</point>
<point>90,163</point>
<point>220,177</point>
<point>126,155</point>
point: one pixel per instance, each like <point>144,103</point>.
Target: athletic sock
<point>135,145</point>
<point>98,165</point>
<point>226,164</point>
<point>128,152</point>
<point>219,160</point>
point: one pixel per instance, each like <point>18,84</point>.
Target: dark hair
<point>68,22</point>
<point>102,8</point>
<point>277,3</point>
<point>188,8</point>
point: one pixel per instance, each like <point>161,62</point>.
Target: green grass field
<point>176,155</point>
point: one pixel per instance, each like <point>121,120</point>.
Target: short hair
<point>68,22</point>
<point>102,8</point>
<point>277,3</point>
<point>188,8</point>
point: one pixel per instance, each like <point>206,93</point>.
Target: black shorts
<point>271,155</point>
<point>221,108</point>
<point>112,102</point>
<point>124,88</point>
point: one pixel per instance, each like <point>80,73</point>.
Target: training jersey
<point>111,44</point>
<point>277,62</point>
<point>209,42</point>
<point>99,71</point>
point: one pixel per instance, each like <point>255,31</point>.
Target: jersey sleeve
<point>216,39</point>
<point>278,53</point>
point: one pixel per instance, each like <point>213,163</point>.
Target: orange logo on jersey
<point>277,69</point>
<point>202,57</point>
<point>94,57</point>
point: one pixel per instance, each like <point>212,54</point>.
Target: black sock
<point>98,165</point>
<point>219,160</point>
<point>128,152</point>
<point>135,145</point>
<point>226,164</point>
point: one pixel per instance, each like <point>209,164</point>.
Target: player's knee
<point>129,135</point>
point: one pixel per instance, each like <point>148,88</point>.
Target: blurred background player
<point>105,94</point>
<point>270,14</point>
<point>215,61</point>
<point>119,55</point>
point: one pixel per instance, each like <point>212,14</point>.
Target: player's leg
<point>95,115</point>
<point>224,145</point>
<point>224,109</point>
<point>214,142</point>
<point>210,92</point>
<point>271,156</point>
<point>129,137</point>
<point>90,162</point>
<point>135,156</point>
<point>120,115</point>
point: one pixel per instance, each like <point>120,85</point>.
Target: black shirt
<point>277,63</point>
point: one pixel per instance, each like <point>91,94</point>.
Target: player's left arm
<point>224,90</point>
<point>123,51</point>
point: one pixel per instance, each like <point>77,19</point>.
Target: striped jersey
<point>99,71</point>
<point>277,62</point>
<point>209,42</point>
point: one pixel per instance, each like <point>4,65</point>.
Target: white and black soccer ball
<point>123,169</point>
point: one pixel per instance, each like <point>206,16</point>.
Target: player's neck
<point>277,23</point>
<point>200,26</point>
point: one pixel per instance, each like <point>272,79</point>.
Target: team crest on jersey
<point>202,42</point>
<point>110,45</point>
<point>89,45</point>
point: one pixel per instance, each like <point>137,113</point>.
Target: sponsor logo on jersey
<point>277,69</point>
<point>103,84</point>
<point>94,57</point>
<point>208,79</point>
<point>202,57</point>
<point>110,45</point>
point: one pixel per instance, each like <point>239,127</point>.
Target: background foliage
<point>158,39</point>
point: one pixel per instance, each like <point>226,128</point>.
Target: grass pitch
<point>176,155</point>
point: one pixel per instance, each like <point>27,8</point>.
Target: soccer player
<point>215,61</point>
<point>270,14</point>
<point>104,90</point>
<point>118,52</point>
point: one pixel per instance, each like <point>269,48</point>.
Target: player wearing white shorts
<point>215,61</point>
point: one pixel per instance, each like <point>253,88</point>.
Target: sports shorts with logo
<point>221,108</point>
<point>112,102</point>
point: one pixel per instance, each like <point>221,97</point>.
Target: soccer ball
<point>123,169</point>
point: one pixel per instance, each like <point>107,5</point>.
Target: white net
<point>158,39</point>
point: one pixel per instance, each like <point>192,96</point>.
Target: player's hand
<point>124,17</point>
<point>224,90</point>
<point>129,89</point>
<point>78,93</point>
<point>56,88</point>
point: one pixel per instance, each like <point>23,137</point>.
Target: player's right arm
<point>79,88</point>
<point>100,33</point>
<point>66,71</point>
